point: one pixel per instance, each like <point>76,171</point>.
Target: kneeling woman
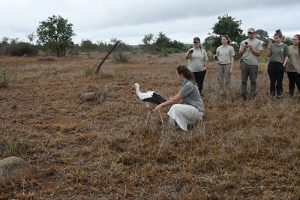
<point>191,109</point>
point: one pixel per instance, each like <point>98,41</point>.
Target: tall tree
<point>56,34</point>
<point>263,36</point>
<point>162,41</point>
<point>227,25</point>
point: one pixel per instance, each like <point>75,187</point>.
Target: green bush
<point>23,48</point>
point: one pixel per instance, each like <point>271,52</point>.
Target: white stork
<point>149,98</point>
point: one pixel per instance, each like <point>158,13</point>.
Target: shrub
<point>5,79</point>
<point>89,71</point>
<point>23,48</point>
<point>121,58</point>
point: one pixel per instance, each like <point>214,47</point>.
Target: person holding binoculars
<point>197,60</point>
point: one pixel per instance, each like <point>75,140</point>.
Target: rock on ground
<point>13,169</point>
<point>92,93</point>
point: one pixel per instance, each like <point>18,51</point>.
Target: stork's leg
<point>162,121</point>
<point>147,117</point>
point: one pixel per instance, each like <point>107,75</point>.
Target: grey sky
<point>130,20</point>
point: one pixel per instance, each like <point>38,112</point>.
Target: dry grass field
<point>104,149</point>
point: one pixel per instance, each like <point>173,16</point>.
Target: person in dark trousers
<point>197,59</point>
<point>250,49</point>
<point>293,67</point>
<point>278,53</point>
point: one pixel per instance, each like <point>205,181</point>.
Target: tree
<point>162,41</point>
<point>161,44</point>
<point>227,25</point>
<point>148,39</point>
<point>288,40</point>
<point>211,42</point>
<point>5,40</point>
<point>56,34</point>
<point>87,46</point>
<point>263,36</point>
<point>31,37</point>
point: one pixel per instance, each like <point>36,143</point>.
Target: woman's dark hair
<point>186,73</point>
<point>227,38</point>
<point>278,33</point>
<point>298,36</point>
<point>197,39</point>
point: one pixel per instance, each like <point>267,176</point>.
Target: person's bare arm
<point>188,54</point>
<point>285,61</point>
<point>242,50</point>
<point>176,99</point>
<point>255,51</point>
<point>231,64</point>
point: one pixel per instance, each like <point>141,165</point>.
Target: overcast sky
<point>130,20</point>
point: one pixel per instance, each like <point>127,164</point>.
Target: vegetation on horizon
<point>54,37</point>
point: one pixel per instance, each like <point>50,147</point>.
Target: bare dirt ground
<point>104,149</point>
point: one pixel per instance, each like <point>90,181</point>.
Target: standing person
<point>278,53</point>
<point>197,62</point>
<point>293,67</point>
<point>225,58</point>
<point>250,49</point>
<point>191,109</point>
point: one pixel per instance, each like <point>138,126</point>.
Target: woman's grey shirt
<point>278,52</point>
<point>191,96</point>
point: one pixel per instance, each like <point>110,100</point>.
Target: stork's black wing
<point>155,99</point>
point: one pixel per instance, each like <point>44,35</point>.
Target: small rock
<point>88,96</point>
<point>13,169</point>
<point>92,93</point>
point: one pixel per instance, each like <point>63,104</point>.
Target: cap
<point>251,30</point>
<point>196,39</point>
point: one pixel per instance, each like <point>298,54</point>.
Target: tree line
<point>54,37</point>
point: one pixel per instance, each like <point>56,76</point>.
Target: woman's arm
<point>188,54</point>
<point>231,64</point>
<point>205,59</point>
<point>285,61</point>
<point>176,99</point>
<point>286,56</point>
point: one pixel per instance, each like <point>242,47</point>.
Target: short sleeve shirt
<point>278,52</point>
<point>191,96</point>
<point>196,62</point>
<point>224,54</point>
<point>248,57</point>
<point>294,60</point>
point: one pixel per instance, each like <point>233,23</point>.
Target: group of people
<point>187,105</point>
